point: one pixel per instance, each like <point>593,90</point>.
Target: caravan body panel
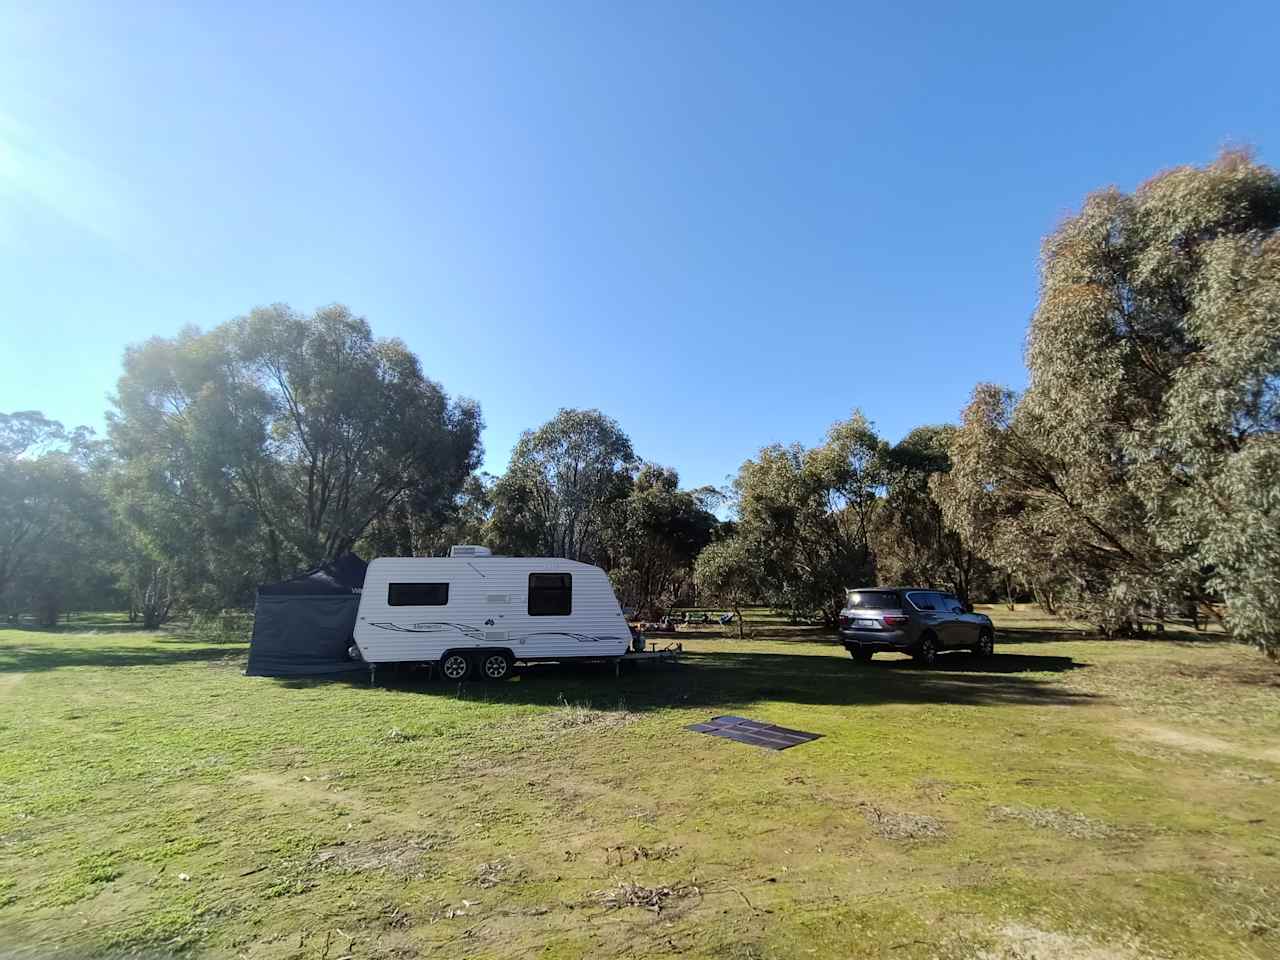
<point>414,609</point>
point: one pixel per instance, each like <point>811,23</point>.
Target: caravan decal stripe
<point>462,628</point>
<point>477,634</point>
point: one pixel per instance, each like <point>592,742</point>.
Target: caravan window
<point>417,594</point>
<point>550,594</point>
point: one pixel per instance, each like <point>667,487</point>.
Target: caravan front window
<point>417,594</point>
<point>550,594</point>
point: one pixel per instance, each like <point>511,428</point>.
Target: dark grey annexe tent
<point>302,626</point>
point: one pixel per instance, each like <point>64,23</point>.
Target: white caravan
<point>472,610</point>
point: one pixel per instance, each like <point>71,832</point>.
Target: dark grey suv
<point>911,620</point>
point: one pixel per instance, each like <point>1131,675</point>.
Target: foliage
<point>275,441</point>
<point>913,542</point>
<point>656,532</point>
<point>53,519</point>
<point>417,527</point>
<point>564,481</point>
<point>808,514</point>
<point>1137,472</point>
<point>728,572</point>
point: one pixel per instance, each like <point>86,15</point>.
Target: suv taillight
<point>895,620</point>
<point>845,621</point>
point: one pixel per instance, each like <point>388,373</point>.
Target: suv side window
<point>951,604</point>
<point>922,600</point>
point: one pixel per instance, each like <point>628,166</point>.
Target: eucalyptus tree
<point>810,512</point>
<point>912,540</point>
<point>563,483</point>
<point>655,534</point>
<point>277,439</point>
<point>53,518</point>
<point>729,572</point>
<point>1140,466</point>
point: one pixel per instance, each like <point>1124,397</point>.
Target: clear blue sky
<point>724,224</point>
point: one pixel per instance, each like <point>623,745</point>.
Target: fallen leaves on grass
<point>621,855</point>
<point>897,825</point>
<point>653,899</point>
<point>1071,824</point>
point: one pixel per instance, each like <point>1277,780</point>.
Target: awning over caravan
<point>302,626</point>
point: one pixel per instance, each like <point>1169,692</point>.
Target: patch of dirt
<point>653,899</point>
<point>898,825</point>
<point>1018,941</point>
<point>931,789</point>
<point>397,856</point>
<point>1075,825</point>
<point>577,715</point>
<point>322,792</point>
<point>1199,742</point>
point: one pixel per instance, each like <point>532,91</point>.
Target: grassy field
<point>1069,797</point>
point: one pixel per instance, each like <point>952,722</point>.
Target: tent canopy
<point>343,576</point>
<point>302,626</point>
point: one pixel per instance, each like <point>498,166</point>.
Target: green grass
<point>1068,795</point>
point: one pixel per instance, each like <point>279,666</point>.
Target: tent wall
<point>302,635</point>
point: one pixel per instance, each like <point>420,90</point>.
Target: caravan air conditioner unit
<point>469,550</point>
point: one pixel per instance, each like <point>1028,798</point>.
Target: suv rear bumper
<point>876,640</point>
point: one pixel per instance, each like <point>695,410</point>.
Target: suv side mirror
<point>967,608</point>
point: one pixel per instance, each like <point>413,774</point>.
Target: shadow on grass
<point>75,627</point>
<point>729,680</point>
<point>1014,635</point>
<point>721,680</point>
<point>23,658</point>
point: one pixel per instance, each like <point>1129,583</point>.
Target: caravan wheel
<point>496,666</point>
<point>455,667</point>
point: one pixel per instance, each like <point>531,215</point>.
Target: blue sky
<point>723,224</point>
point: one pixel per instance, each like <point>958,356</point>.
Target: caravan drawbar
<point>472,611</point>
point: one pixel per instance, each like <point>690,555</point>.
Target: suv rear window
<point>873,600</point>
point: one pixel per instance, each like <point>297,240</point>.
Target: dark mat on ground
<point>757,734</point>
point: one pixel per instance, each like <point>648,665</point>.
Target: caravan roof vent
<point>469,550</point>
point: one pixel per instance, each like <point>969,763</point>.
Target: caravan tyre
<point>455,666</point>
<point>495,665</point>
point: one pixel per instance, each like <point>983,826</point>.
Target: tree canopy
<point>1137,472</point>
<point>565,478</point>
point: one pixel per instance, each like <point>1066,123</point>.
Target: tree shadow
<point>32,658</point>
<point>731,680</point>
<point>1049,634</point>
<point>719,680</point>
<point>75,627</point>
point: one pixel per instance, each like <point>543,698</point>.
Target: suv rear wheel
<point>927,652</point>
<point>861,654</point>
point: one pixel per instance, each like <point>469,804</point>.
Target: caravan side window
<point>417,594</point>
<point>550,594</point>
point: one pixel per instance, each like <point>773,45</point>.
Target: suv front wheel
<point>927,652</point>
<point>985,644</point>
